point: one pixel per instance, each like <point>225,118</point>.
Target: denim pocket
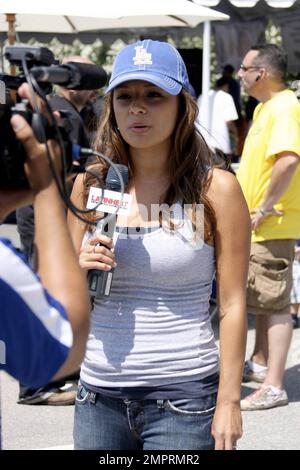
<point>192,406</point>
<point>82,395</point>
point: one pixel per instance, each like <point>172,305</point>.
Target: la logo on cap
<point>142,57</point>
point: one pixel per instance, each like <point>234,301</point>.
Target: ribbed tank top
<point>154,329</point>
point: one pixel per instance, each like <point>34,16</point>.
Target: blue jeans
<point>105,423</point>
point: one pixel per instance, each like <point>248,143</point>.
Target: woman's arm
<point>58,267</point>
<point>232,244</point>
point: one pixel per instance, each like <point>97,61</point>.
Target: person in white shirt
<point>216,122</point>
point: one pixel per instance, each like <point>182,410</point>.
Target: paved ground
<point>10,231</point>
<point>40,427</point>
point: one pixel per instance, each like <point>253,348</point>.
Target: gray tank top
<point>154,329</point>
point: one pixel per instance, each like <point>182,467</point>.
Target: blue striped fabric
<point>35,334</point>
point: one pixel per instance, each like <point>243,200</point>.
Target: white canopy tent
<point>73,16</point>
<point>248,22</point>
<point>248,3</point>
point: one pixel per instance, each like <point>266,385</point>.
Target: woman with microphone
<point>151,378</point>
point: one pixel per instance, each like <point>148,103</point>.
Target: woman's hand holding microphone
<point>97,253</point>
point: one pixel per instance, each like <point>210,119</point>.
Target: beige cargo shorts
<point>270,277</point>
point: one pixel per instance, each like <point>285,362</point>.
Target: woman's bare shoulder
<point>226,195</point>
<point>223,185</point>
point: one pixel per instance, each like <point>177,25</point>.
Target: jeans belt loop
<point>93,397</point>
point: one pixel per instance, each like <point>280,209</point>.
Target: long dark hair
<point>189,162</point>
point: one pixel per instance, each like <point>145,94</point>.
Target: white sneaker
<point>250,376</point>
<point>264,398</point>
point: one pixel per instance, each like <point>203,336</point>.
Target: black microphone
<point>100,281</point>
<point>73,75</point>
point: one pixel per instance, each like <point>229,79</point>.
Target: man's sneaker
<point>250,376</point>
<point>56,396</point>
<point>61,398</point>
<point>264,398</point>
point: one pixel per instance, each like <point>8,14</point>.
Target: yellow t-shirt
<point>275,129</point>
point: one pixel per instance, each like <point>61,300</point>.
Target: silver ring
<point>94,249</point>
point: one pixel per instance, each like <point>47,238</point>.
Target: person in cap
<point>151,377</point>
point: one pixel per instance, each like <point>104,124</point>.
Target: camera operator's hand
<point>37,167</point>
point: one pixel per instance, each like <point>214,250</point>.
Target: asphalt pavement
<point>43,427</point>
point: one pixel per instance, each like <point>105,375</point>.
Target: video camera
<point>37,65</point>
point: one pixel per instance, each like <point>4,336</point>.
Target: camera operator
<point>76,103</point>
<point>73,102</point>
<point>45,320</point>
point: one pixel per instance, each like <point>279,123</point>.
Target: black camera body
<point>33,55</point>
<point>12,152</point>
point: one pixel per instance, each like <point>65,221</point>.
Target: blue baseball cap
<point>153,61</point>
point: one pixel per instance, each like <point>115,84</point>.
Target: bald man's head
<point>79,98</point>
<point>77,58</point>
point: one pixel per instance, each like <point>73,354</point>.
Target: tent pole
<point>1,56</point>
<point>11,35</point>
<point>206,73</point>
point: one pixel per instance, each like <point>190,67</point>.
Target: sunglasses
<point>245,69</point>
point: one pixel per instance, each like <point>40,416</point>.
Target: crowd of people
<point>152,377</point>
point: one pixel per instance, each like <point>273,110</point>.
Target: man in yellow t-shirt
<point>269,175</point>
